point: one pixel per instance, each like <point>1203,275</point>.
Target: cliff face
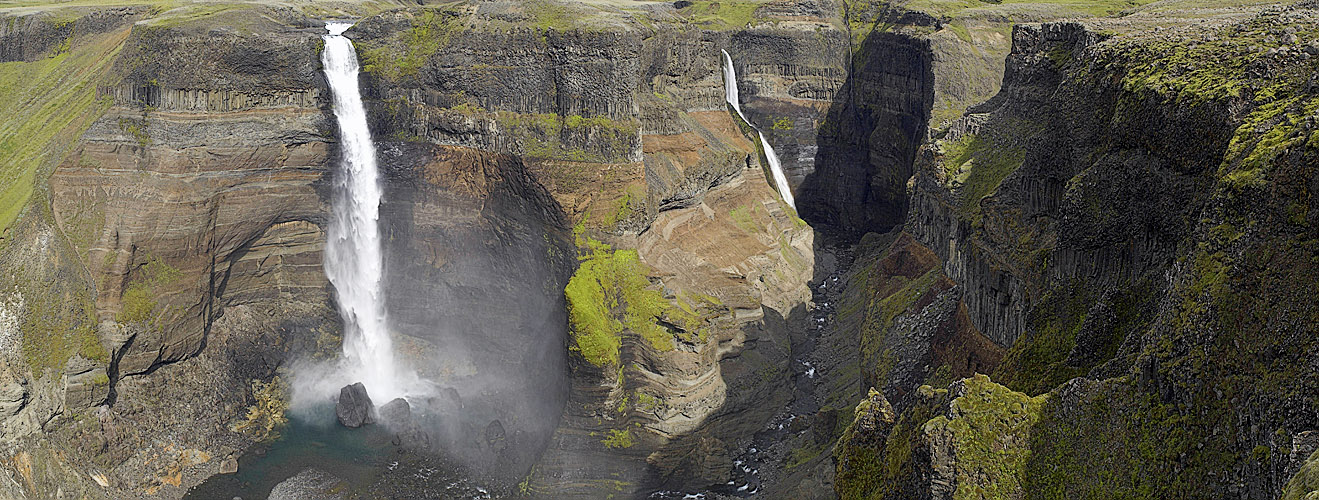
<point>187,223</point>
<point>1113,214</point>
<point>628,131</point>
<point>581,242</point>
<point>185,226</point>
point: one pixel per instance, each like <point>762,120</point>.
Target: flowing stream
<point>353,258</point>
<point>775,167</point>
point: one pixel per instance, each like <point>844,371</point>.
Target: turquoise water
<point>365,459</point>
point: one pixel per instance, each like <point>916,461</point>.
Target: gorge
<point>637,249</point>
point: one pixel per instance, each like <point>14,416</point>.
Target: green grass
<point>956,8</point>
<point>979,166</point>
<point>617,439</point>
<point>45,106</point>
<point>722,14</point>
<point>609,294</point>
<point>430,31</point>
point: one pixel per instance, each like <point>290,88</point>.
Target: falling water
<point>353,257</point>
<point>775,167</point>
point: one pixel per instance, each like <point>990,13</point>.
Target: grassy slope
<point>47,105</point>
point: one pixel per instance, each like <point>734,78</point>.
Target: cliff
<point>1119,217</point>
<point>1067,258</point>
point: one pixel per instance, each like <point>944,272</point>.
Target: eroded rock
<point>354,408</point>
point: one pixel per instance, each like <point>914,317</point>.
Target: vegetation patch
<point>722,14</point>
<point>266,415</point>
<point>58,324</point>
<point>48,104</point>
<point>431,30</point>
<point>609,294</point>
<point>991,436</point>
<point>977,166</point>
<point>618,439</point>
<point>140,297</point>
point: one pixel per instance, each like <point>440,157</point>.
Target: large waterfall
<point>354,260</point>
<point>775,167</point>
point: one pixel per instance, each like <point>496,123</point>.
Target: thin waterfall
<point>775,167</point>
<point>354,259</point>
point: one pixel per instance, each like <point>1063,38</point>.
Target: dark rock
<point>396,413</point>
<point>354,408</point>
<point>495,436</point>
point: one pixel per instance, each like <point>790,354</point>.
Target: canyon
<point>697,249</point>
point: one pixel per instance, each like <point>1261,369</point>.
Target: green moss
<point>991,438</point>
<point>1305,484</point>
<point>551,136</point>
<point>1200,71</point>
<point>609,294</point>
<point>1039,361</point>
<point>1263,136</point>
<point>872,466</point>
<point>618,439</point>
<point>977,166</point>
<point>962,33</point>
<point>47,105</point>
<point>140,297</point>
<point>404,57</point>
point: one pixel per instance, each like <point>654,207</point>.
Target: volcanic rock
<point>396,413</point>
<point>354,408</point>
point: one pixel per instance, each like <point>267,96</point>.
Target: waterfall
<point>354,261</point>
<point>775,167</point>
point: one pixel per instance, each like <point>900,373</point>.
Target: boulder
<point>310,484</point>
<point>396,414</point>
<point>229,466</point>
<point>354,408</point>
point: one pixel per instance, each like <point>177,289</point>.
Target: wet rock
<point>396,413</point>
<point>310,484</point>
<point>495,436</point>
<point>354,408</point>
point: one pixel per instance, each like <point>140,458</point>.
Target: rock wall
<point>869,137</point>
<point>188,219</point>
<point>1107,216</point>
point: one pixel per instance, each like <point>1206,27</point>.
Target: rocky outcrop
<point>310,484</point>
<point>912,327</point>
<point>354,408</point>
<point>1093,239</point>
<point>36,35</point>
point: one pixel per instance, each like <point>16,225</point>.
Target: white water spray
<point>354,260</point>
<point>775,167</point>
